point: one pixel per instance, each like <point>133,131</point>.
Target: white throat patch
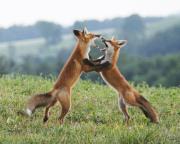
<point>91,43</point>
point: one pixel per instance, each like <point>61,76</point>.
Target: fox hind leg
<point>143,104</point>
<point>123,107</point>
<point>65,101</point>
<point>46,115</point>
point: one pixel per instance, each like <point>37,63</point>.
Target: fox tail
<point>37,101</point>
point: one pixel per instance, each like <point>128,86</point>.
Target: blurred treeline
<point>152,53</point>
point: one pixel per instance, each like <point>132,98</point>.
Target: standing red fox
<point>112,76</point>
<point>67,78</point>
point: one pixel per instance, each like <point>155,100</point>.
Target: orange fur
<point>67,78</point>
<point>127,94</point>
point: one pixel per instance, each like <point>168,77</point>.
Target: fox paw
<point>45,119</point>
<point>87,62</point>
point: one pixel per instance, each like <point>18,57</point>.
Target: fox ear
<point>85,31</point>
<point>76,32</point>
<point>122,43</point>
<point>112,38</point>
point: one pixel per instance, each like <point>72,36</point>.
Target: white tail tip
<point>28,112</point>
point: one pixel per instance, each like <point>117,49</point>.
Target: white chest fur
<point>87,52</point>
<point>91,43</point>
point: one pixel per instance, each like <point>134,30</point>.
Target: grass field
<point>94,116</point>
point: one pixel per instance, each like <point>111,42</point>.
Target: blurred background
<point>36,36</point>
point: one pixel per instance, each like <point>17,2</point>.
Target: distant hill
<point>159,34</point>
<point>163,42</point>
<point>162,25</point>
<point>19,32</point>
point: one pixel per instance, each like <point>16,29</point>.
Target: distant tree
<point>133,30</point>
<point>133,25</point>
<point>6,65</point>
<point>34,65</point>
<point>14,33</point>
<point>97,25</point>
<point>156,70</point>
<point>11,51</point>
<point>50,31</point>
<point>162,43</point>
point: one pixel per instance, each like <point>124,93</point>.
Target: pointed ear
<point>112,38</point>
<point>76,32</point>
<point>85,31</point>
<point>122,43</point>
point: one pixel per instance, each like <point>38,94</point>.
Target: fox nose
<point>76,32</point>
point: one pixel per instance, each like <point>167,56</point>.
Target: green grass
<point>94,115</point>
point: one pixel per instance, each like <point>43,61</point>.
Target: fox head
<point>114,44</point>
<point>85,36</point>
<point>112,48</point>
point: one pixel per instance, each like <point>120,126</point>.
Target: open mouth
<point>104,41</point>
<point>99,43</point>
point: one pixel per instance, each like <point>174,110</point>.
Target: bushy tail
<point>39,100</point>
<point>147,109</point>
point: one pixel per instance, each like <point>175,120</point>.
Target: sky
<point>65,12</point>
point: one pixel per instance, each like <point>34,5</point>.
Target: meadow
<point>94,116</point>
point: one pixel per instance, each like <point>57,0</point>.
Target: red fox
<point>112,76</point>
<point>67,78</point>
